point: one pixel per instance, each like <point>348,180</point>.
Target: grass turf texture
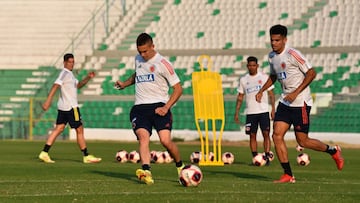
<point>24,178</point>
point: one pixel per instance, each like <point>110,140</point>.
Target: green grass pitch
<point>23,178</point>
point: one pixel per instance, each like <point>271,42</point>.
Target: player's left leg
<point>75,122</point>
<point>314,144</point>
<point>80,138</point>
<point>165,139</point>
<point>301,128</point>
<point>264,122</point>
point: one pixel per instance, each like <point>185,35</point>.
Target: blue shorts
<point>299,117</point>
<point>253,121</point>
<point>73,117</point>
<point>143,116</point>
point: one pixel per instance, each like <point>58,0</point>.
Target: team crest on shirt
<point>260,81</point>
<point>283,65</point>
<point>152,69</point>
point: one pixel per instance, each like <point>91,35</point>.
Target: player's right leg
<point>280,129</point>
<point>144,174</point>
<point>44,155</point>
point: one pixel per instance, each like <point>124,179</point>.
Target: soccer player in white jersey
<point>68,110</point>
<point>256,113</point>
<point>295,73</point>
<point>152,78</point>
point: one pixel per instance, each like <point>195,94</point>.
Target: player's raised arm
<point>122,85</point>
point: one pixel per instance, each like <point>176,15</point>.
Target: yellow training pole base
<point>211,163</point>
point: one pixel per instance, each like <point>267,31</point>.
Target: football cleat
<point>285,178</point>
<point>179,169</point>
<point>145,176</point>
<point>91,159</point>
<point>44,156</point>
<point>339,160</point>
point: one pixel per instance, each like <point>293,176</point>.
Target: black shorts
<point>143,116</point>
<point>296,116</point>
<point>73,117</point>
<point>253,121</point>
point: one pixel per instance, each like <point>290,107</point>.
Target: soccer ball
<point>134,157</point>
<point>303,159</point>
<point>299,148</point>
<point>158,157</point>
<point>190,176</point>
<point>152,156</point>
<point>259,159</point>
<point>271,156</point>
<point>122,156</point>
<point>228,158</point>
<point>167,157</point>
<point>195,157</point>
<point>211,156</point>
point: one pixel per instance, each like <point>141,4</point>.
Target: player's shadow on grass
<point>236,174</point>
<point>126,176</point>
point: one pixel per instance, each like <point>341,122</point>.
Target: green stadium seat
<point>228,45</point>
<point>200,35</point>
<point>262,5</point>
<point>265,64</point>
<point>216,12</point>
<point>316,43</point>
<point>177,2</point>
<point>103,47</point>
<point>241,57</point>
<point>261,33</point>
<point>304,26</point>
<point>342,56</point>
<point>172,59</point>
<point>333,14</point>
<point>284,16</point>
<point>156,18</point>
<point>121,65</point>
<point>152,34</point>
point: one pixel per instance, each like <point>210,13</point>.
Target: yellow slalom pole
<point>209,108</point>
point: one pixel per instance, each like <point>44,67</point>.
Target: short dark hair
<point>278,30</point>
<point>68,56</point>
<point>252,58</point>
<point>143,39</point>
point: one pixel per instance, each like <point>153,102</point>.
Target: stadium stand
<point>229,31</point>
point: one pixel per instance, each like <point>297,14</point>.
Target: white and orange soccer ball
<point>167,157</point>
<point>259,159</point>
<point>303,159</point>
<point>228,158</point>
<point>195,157</point>
<point>211,156</point>
<point>152,155</point>
<point>271,157</point>
<point>159,157</point>
<point>299,148</point>
<point>191,176</point>
<point>134,157</point>
<point>122,156</point>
